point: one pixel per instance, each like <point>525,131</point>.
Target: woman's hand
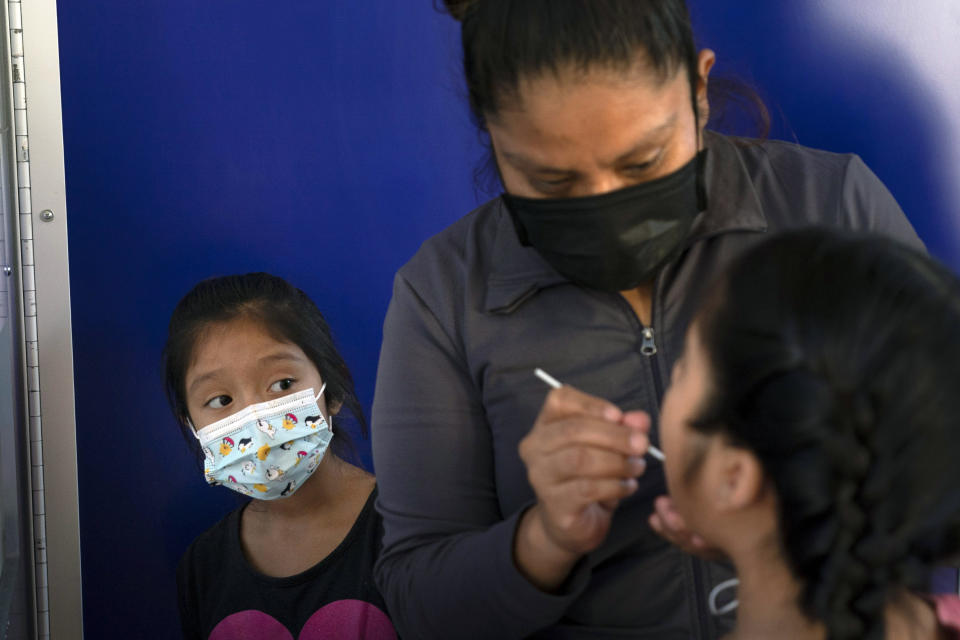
<point>583,456</point>
<point>671,527</point>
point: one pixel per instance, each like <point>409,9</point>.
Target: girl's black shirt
<point>221,596</point>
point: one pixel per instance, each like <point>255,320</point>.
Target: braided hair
<point>835,359</point>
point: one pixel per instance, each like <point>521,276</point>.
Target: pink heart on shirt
<point>340,620</point>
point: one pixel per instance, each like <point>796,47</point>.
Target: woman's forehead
<point>608,113</point>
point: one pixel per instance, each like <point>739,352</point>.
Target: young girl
<point>255,381</point>
<point>810,435</point>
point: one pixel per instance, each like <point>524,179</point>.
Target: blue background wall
<point>323,141</point>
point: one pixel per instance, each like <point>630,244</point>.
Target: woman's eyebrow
<point>527,164</point>
<point>649,138</point>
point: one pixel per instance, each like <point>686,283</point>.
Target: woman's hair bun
<point>458,8</point>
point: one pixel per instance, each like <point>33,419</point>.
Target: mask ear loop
<point>712,599</point>
<point>193,429</point>
<point>329,418</point>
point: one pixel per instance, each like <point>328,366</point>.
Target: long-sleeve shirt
<point>473,313</point>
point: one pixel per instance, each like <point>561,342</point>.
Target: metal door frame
<point>33,81</point>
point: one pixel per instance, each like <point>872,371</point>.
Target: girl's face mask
<point>267,450</point>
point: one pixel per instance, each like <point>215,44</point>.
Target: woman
<point>810,434</point>
<point>619,209</point>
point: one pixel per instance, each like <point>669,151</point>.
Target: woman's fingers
<point>585,462</point>
<point>577,513</point>
<point>569,401</point>
<point>582,457</point>
<point>636,420</point>
<point>670,525</point>
<point>669,515</point>
<point>575,495</point>
<point>571,430</point>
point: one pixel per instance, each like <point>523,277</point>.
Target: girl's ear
<point>739,481</point>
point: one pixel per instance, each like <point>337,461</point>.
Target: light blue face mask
<point>267,450</point>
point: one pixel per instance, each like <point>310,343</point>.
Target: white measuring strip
<point>30,314</point>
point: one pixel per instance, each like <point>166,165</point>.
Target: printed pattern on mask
<point>267,450</point>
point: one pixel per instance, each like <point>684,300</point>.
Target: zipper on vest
<point>649,349</point>
<point>649,346</point>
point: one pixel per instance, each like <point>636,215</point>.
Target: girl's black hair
<point>505,41</point>
<point>835,359</point>
<point>286,312</point>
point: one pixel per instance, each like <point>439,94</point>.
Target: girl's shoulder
<point>368,525</point>
<point>213,545</point>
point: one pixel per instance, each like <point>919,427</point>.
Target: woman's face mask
<point>630,139</point>
<point>614,241</point>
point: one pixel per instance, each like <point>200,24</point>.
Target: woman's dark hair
<point>505,41</point>
<point>285,312</point>
<point>835,359</point>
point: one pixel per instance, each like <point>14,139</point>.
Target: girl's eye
<point>219,402</point>
<point>282,385</point>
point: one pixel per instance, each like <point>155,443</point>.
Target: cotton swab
<point>556,384</point>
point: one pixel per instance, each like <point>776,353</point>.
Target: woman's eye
<point>282,385</point>
<point>640,167</point>
<point>219,402</point>
<point>551,187</point>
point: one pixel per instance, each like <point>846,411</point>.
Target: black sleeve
<point>446,570</point>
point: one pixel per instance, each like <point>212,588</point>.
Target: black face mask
<point>614,241</point>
